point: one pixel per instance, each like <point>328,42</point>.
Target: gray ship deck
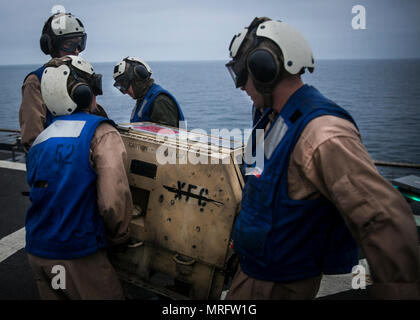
<point>16,277</point>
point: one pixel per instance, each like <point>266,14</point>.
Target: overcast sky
<point>202,29</point>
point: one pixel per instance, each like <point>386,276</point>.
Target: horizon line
<point>225,60</point>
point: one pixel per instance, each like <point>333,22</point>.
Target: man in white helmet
<point>80,198</point>
<point>319,197</point>
<point>133,77</point>
<point>62,34</point>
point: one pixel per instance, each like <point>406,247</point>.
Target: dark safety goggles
<point>238,72</point>
<point>69,44</point>
<point>237,66</point>
<point>122,83</point>
<point>239,48</point>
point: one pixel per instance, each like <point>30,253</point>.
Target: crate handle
<point>185,263</point>
<point>136,244</point>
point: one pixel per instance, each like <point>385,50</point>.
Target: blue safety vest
<point>39,72</point>
<point>280,239</point>
<point>143,110</point>
<point>63,220</point>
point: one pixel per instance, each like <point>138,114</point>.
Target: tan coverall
<point>93,277</point>
<point>329,159</point>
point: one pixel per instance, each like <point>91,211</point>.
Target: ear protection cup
<point>141,72</point>
<point>263,66</point>
<point>82,95</point>
<point>45,43</point>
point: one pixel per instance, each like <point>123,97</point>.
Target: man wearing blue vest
<point>62,34</point>
<point>319,196</point>
<point>80,198</point>
<point>133,77</point>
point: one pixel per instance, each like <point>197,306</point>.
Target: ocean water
<point>383,96</point>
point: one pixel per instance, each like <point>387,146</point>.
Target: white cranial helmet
<point>120,67</point>
<point>58,29</point>
<point>293,51</point>
<point>61,97</point>
<point>128,70</point>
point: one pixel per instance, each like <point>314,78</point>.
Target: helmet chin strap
<point>268,99</point>
<point>267,93</point>
<point>267,90</point>
<point>140,87</point>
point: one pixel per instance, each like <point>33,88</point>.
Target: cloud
<point>202,30</point>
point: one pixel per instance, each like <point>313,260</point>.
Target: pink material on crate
<point>156,129</point>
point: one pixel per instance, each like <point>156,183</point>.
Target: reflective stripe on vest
<point>60,129</point>
<point>273,138</point>
<point>138,114</point>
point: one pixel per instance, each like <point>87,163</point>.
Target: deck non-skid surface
<point>16,277</point>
